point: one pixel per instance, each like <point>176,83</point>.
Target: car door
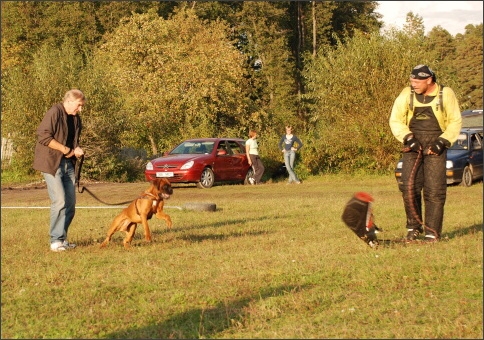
<point>239,161</point>
<point>475,158</point>
<point>222,165</point>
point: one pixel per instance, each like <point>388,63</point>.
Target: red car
<point>203,161</point>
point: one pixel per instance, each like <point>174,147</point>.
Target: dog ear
<point>155,183</point>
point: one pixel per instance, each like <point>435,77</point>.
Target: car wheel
<point>467,177</point>
<point>206,179</point>
<point>249,178</point>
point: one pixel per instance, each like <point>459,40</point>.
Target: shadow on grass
<point>225,223</point>
<point>193,238</point>
<point>473,229</point>
<point>204,322</point>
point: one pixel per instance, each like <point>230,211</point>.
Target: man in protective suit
<point>426,118</point>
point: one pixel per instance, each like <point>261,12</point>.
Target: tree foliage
<point>26,99</point>
<point>350,93</point>
<point>155,73</point>
<point>467,60</point>
<point>179,78</point>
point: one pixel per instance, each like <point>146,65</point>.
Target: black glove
<point>438,146</point>
<point>412,143</point>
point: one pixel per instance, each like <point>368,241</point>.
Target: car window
<point>460,143</point>
<point>223,147</point>
<point>480,138</point>
<point>182,148</point>
<point>193,148</point>
<point>235,147</point>
<point>209,147</point>
<point>475,142</point>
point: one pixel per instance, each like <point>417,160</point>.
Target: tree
<point>349,109</point>
<point>351,17</point>
<point>440,43</point>
<point>164,71</point>
<point>25,99</point>
<point>467,62</point>
<point>27,25</point>
<point>414,25</point>
<point>179,78</point>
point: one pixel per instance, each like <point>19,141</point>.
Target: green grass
<point>11,177</point>
<point>274,261</point>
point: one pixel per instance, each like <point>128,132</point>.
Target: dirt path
<point>112,193</point>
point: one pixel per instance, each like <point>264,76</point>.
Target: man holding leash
<point>426,118</point>
<point>55,155</point>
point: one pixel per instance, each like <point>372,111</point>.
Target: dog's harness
<point>156,200</point>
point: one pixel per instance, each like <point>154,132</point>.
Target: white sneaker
<point>68,245</point>
<point>57,246</point>
<point>251,180</point>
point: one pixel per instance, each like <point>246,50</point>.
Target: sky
<point>453,16</point>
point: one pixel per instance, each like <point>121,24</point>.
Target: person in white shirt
<point>252,151</point>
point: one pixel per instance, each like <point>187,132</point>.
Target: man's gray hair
<point>74,94</point>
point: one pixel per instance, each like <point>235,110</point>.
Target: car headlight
<point>187,165</point>
<point>149,166</point>
<point>449,164</point>
<point>399,165</point>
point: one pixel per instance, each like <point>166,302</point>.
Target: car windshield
<point>460,143</point>
<point>187,148</point>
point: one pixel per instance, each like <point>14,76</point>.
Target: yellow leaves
<point>178,68</point>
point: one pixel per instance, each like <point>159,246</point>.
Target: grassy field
<point>273,261</point>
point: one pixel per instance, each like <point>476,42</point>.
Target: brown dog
<point>141,210</point>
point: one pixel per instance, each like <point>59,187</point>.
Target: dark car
<point>203,161</point>
<point>464,158</point>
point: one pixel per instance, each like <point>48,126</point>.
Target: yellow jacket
<point>448,116</point>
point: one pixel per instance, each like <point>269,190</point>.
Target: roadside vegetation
<point>273,261</point>
<point>208,69</point>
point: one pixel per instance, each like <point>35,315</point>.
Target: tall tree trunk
<point>314,27</point>
<point>154,148</point>
<point>299,45</point>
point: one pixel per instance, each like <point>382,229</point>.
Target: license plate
<point>164,174</point>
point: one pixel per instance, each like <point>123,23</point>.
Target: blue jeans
<point>62,194</point>
<point>289,158</point>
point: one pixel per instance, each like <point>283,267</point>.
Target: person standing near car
<point>56,151</point>
<point>289,144</point>
<point>426,118</point>
<point>252,151</point>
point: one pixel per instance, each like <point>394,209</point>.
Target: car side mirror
<point>221,152</point>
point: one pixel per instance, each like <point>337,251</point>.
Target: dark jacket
<point>288,143</point>
<point>53,126</point>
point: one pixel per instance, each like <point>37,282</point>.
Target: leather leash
<point>77,169</point>
<point>411,191</point>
